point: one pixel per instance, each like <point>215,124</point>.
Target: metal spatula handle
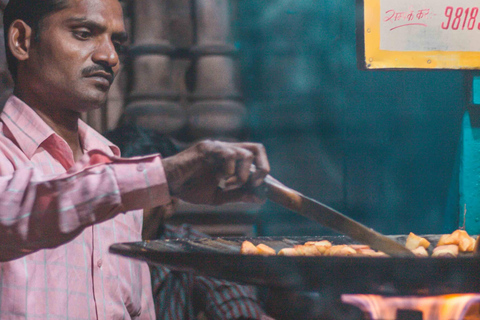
<point>328,217</point>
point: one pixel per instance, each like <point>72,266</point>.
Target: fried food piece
<point>371,253</point>
<point>262,249</point>
<point>248,248</point>
<point>340,250</point>
<point>414,241</point>
<point>265,250</point>
<point>288,252</point>
<point>460,238</point>
<point>455,237</point>
<point>466,244</point>
<point>310,250</point>
<point>442,240</point>
<point>449,251</point>
<point>358,247</point>
<point>323,243</point>
<point>364,250</point>
<point>420,252</point>
<point>321,246</point>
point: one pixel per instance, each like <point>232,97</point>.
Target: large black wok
<point>220,258</point>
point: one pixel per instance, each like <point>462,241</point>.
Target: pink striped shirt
<point>58,219</point>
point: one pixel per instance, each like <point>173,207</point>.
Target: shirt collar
<point>30,131</point>
<point>92,140</point>
<point>26,126</point>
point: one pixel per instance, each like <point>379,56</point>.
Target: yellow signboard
<point>421,34</point>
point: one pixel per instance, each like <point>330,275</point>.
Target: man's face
<point>76,58</point>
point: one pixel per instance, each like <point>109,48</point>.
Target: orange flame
<point>446,307</point>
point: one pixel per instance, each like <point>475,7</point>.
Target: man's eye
<point>82,34</point>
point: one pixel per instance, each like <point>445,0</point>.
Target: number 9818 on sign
<point>461,18</point>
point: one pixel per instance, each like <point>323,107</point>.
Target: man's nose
<point>106,53</point>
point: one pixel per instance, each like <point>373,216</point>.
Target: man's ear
<point>19,39</point>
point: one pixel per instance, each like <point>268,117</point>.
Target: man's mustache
<point>92,69</point>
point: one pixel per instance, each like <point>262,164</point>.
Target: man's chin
<point>90,104</point>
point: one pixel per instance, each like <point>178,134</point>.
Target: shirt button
<point>140,167</point>
<point>99,263</point>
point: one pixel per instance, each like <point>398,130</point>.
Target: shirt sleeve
<point>38,211</point>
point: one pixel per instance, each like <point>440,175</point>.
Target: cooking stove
<point>321,287</point>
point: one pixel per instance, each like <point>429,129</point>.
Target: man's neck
<point>67,128</point>
<point>63,121</point>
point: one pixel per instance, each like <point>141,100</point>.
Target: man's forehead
<point>110,8</point>
<point>101,12</point>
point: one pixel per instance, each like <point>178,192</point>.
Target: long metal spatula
<point>328,217</point>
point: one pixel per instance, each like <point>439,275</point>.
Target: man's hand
<point>194,175</point>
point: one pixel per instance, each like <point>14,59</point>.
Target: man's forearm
<point>38,212</point>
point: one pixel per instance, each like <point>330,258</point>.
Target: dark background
<point>380,146</point>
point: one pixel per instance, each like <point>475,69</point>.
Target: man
<point>65,195</point>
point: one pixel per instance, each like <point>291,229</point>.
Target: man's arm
<point>194,174</point>
<point>38,212</point>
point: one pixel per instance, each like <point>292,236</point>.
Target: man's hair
<point>32,12</point>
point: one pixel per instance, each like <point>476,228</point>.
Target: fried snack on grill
<point>448,251</point>
<point>420,252</point>
<point>441,241</point>
<point>261,249</point>
<point>460,238</point>
<point>449,245</point>
<point>340,250</point>
<point>288,252</point>
<point>322,243</point>
<point>266,250</point>
<point>366,251</point>
<point>455,237</point>
<point>313,248</point>
<point>360,247</point>
<point>414,242</point>
<point>371,253</point>
<point>466,244</point>
<point>321,246</point>
<point>310,248</point>
<point>307,250</point>
<point>248,248</point>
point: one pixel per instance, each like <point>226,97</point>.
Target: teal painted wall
<point>381,146</point>
<point>469,205</point>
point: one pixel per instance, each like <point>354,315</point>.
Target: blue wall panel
<point>381,146</point>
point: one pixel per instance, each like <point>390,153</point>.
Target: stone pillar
<point>216,109</point>
<point>152,101</point>
<point>181,30</point>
